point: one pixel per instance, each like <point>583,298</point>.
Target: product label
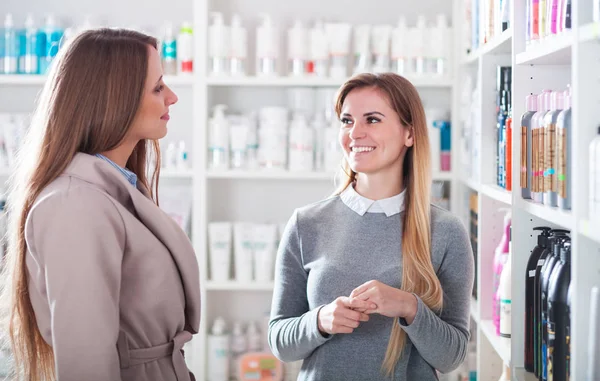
<point>534,158</point>
<point>531,273</point>
<point>542,153</point>
<point>562,162</point>
<point>550,351</point>
<point>524,158</point>
<point>505,312</point>
<point>550,183</point>
<point>541,262</point>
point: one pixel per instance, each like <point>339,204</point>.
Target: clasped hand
<point>345,314</point>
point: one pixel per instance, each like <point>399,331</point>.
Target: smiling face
<point>153,114</point>
<point>372,136</point>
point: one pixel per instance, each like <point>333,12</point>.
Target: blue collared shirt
<point>130,176</point>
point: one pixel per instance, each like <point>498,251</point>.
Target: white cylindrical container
<point>218,352</point>
<point>273,138</point>
<point>265,236</point>
<point>218,46</point>
<point>185,49</point>
<point>319,53</point>
<point>362,49</point>
<point>238,139</point>
<point>332,154</point>
<point>182,157</point>
<point>338,36</point>
<point>319,126</point>
<point>252,147</point>
<point>219,237</point>
<point>380,41</point>
<point>254,337</point>
<point>418,46</point>
<point>400,48</point>
<point>243,253</point>
<point>505,294</point>
<point>267,52</point>
<point>239,47</point>
<point>439,47</point>
<point>170,162</point>
<point>238,347</point>
<point>297,40</point>
<point>301,145</point>
<point>218,139</point>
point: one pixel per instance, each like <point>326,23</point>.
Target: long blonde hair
<point>418,274</point>
<point>88,103</point>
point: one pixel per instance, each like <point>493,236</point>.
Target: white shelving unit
<point>250,81</point>
<point>567,59</point>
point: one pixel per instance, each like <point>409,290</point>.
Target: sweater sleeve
<point>442,339</point>
<point>77,240</point>
<point>293,329</point>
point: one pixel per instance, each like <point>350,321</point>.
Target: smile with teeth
<point>362,149</point>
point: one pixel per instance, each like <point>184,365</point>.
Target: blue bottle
<point>30,48</point>
<point>52,35</point>
<point>9,54</point>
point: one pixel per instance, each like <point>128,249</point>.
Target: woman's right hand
<point>339,316</point>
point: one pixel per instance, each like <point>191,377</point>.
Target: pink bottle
<point>500,257</point>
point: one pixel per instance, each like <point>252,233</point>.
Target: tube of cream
<point>338,35</point>
<point>242,236</point>
<point>265,236</point>
<point>219,236</point>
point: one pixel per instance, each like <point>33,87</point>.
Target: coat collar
<point>104,176</point>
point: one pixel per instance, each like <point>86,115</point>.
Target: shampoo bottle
<point>380,41</point>
<point>505,293</point>
<point>533,265</point>
<point>319,54</point>
<point>399,48</point>
<point>218,149</point>
<point>301,145</point>
<point>29,58</point>
<point>362,49</point>
<point>563,154</point>
<point>10,43</point>
<point>550,179</point>
<point>218,352</point>
<point>254,338</point>
<point>239,346</point>
<point>239,47</point>
<point>169,51</point>
<point>185,49</point>
<point>297,42</point>
<point>526,139</point>
<point>266,48</point>
<point>218,46</point>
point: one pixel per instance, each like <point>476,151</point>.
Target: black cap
<point>565,252</point>
<point>543,236</point>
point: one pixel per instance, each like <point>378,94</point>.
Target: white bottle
<point>380,41</point>
<point>441,38</point>
<point>266,48</point>
<point>218,352</point>
<point>239,47</point>
<point>182,157</point>
<point>254,338</point>
<point>400,48</point>
<point>594,195</point>
<point>504,292</point>
<point>252,162</point>
<point>319,53</point>
<point>218,148</point>
<point>171,157</point>
<point>301,145</point>
<point>418,46</point>
<point>185,49</point>
<point>433,115</point>
<point>362,49</point>
<point>319,126</point>
<point>273,138</point>
<point>332,154</point>
<point>239,347</point>
<point>297,40</point>
<point>218,46</point>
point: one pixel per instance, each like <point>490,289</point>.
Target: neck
<point>378,186</point>
<point>121,154</point>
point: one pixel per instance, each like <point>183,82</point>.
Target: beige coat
<point>113,280</point>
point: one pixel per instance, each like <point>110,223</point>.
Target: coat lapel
<point>102,174</point>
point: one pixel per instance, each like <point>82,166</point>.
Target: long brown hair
<point>88,103</point>
<point>418,274</point>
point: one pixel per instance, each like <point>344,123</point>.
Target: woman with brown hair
<point>374,283</point>
<point>100,283</point>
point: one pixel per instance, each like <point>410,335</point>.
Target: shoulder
<point>445,223</point>
<point>449,237</point>
<point>320,211</point>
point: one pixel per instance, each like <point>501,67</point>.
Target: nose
<point>171,98</point>
<point>357,131</point>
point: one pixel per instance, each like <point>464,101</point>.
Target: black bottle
<point>537,329</point>
<point>533,265</point>
<point>558,289</point>
<point>544,283</point>
<point>568,330</point>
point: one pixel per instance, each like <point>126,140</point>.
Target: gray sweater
<point>326,251</point>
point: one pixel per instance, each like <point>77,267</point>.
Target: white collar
<point>361,205</point>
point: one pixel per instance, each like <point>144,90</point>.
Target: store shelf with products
<point>554,50</point>
<point>553,215</point>
<point>38,80</point>
<point>501,44</point>
<point>497,193</point>
<point>500,344</point>
<point>424,81</point>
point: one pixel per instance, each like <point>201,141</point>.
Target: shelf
<point>270,175</point>
<point>589,32</point>
<point>174,174</point>
<point>500,344</point>
<point>251,81</point>
<point>238,286</point>
<point>554,50</point>
<point>520,374</point>
<point>501,44</point>
<point>475,310</point>
<point>590,230</point>
<point>38,80</point>
<point>471,184</point>
<point>497,193</point>
<point>554,215</point>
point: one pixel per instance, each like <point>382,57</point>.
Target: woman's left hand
<point>390,301</point>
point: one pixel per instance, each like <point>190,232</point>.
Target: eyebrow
<point>370,113</point>
<point>161,77</point>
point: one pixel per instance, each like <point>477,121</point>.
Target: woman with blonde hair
<point>374,283</point>
<point>101,284</point>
